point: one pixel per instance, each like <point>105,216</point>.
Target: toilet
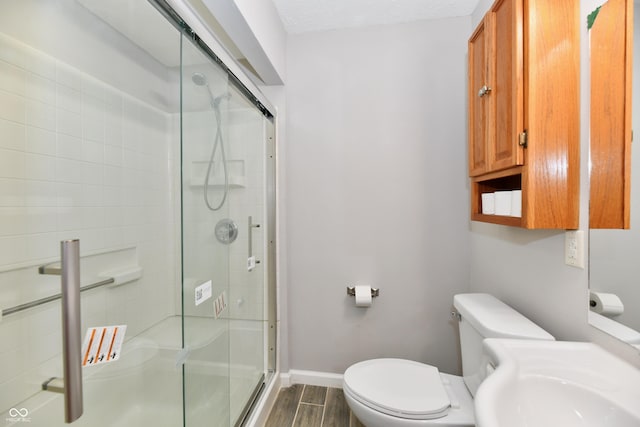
<point>404,393</point>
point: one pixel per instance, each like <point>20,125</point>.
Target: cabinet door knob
<point>484,90</point>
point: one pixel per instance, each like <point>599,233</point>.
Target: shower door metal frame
<point>174,18</point>
<point>272,292</point>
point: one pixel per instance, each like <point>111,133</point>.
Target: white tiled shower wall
<point>78,159</point>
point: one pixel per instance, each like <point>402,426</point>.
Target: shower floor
<point>144,387</point>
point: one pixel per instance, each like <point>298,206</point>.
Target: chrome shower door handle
<point>71,339</point>
<point>250,228</point>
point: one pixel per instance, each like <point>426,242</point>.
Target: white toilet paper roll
<point>363,296</point>
<point>604,303</point>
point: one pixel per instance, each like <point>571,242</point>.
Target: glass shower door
<point>247,314</point>
<point>208,233</point>
<point>110,123</point>
<point>88,107</point>
<point>224,240</point>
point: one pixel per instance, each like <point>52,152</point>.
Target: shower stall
<point>121,130</point>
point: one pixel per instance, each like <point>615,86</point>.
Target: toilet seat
<point>398,387</point>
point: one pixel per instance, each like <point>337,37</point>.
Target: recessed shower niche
<point>198,174</point>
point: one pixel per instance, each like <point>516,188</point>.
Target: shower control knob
<point>226,231</point>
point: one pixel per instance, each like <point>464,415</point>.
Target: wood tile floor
<point>311,406</point>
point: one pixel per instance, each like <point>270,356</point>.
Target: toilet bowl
<point>404,393</point>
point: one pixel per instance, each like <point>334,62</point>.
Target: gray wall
<point>376,192</point>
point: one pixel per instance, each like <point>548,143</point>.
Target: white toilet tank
<point>484,316</point>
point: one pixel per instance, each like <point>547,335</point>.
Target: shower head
<point>199,79</point>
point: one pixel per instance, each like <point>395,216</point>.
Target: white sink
<point>555,383</point>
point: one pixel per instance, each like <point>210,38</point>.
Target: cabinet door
<point>478,104</point>
<point>507,85</point>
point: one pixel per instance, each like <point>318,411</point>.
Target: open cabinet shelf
<point>490,184</point>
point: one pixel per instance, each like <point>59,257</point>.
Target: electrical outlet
<point>574,248</point>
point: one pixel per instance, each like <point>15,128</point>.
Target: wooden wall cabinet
<point>524,106</point>
<point>611,39</point>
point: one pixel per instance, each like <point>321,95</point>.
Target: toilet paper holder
<point>351,291</point>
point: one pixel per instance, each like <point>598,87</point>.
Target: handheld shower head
<point>200,79</point>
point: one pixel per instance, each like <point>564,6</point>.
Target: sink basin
<point>556,383</point>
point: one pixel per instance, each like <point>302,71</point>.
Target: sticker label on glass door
<point>203,292</point>
<point>220,304</point>
<point>102,344</point>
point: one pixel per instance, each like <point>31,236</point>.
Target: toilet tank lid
<point>494,319</point>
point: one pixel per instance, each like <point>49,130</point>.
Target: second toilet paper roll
<point>363,296</point>
<point>604,303</point>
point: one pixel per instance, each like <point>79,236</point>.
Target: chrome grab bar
<point>48,269</point>
<point>71,339</point>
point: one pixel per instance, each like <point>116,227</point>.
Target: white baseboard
<point>324,379</point>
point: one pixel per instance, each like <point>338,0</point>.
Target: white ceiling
<point>299,16</point>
